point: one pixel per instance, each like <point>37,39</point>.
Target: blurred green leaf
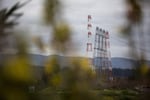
<point>51,11</point>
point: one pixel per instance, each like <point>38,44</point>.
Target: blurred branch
<point>6,14</point>
<point>52,9</point>
<point>134,13</point>
<point>8,19</point>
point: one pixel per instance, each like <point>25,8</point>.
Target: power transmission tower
<point>102,55</point>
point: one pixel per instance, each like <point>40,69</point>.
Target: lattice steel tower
<point>102,55</point>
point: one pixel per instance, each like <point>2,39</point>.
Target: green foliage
<point>51,11</point>
<point>135,28</point>
<point>61,38</point>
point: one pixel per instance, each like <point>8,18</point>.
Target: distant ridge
<point>122,67</point>
<point>117,62</point>
<point>40,60</point>
<point>124,63</point>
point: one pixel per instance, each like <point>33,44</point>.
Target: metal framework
<point>101,62</point>
<point>102,55</point>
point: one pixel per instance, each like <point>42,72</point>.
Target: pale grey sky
<point>107,14</point>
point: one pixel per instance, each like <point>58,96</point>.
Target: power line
<point>127,44</point>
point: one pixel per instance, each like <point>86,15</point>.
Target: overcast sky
<point>107,14</point>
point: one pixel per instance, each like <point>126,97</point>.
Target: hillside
<point>40,60</point>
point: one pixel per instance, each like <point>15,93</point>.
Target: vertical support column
<point>99,50</point>
<point>89,45</point>
<point>89,33</point>
<point>95,48</point>
<point>109,58</point>
<point>103,52</point>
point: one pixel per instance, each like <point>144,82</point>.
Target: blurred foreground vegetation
<point>19,80</point>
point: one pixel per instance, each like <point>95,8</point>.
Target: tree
<point>8,19</point>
